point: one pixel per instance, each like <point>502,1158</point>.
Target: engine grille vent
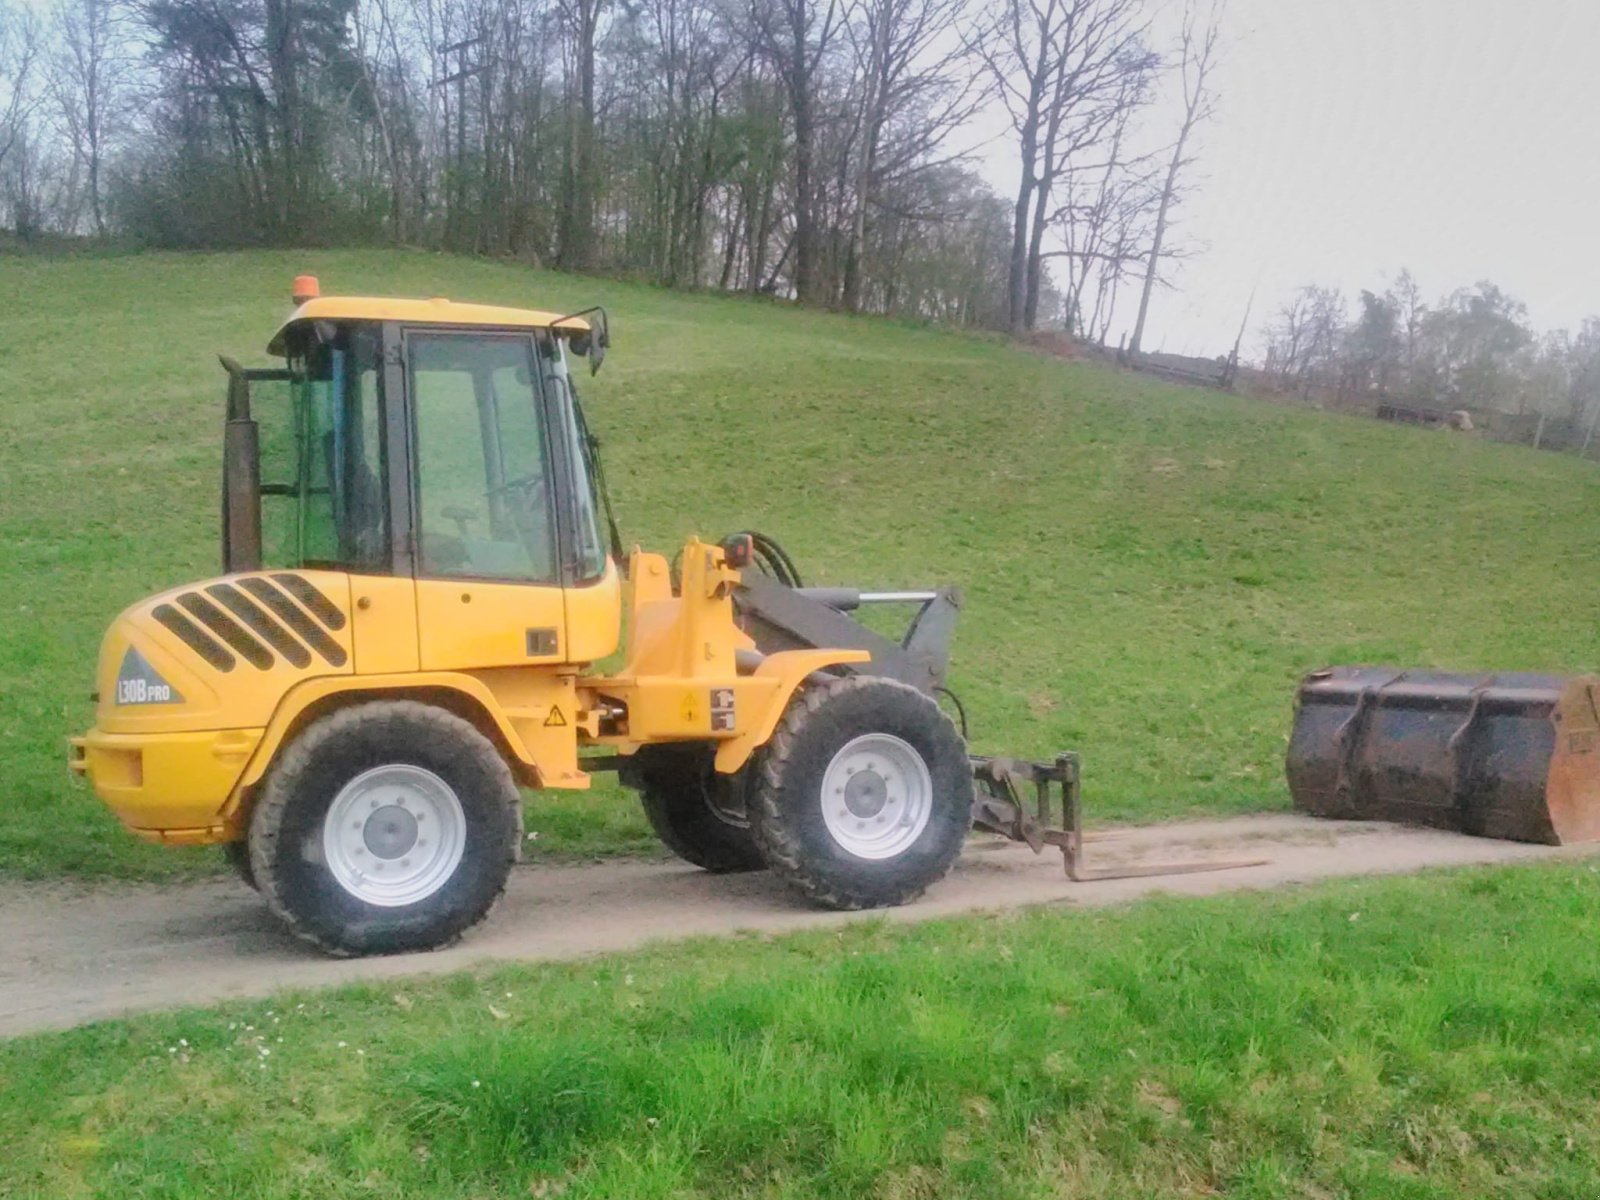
<point>258,619</point>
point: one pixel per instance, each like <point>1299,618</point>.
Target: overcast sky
<point>1460,138</point>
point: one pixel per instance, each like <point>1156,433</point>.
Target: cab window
<point>323,470</point>
<point>483,475</point>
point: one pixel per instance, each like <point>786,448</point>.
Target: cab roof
<point>438,311</point>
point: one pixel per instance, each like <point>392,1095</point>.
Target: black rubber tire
<point>286,827</point>
<point>786,802</point>
<point>237,856</point>
<point>674,782</point>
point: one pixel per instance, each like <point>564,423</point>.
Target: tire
<point>889,836</point>
<point>237,856</point>
<point>353,797</point>
<point>689,805</point>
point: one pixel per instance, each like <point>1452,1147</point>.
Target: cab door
<point>487,559</point>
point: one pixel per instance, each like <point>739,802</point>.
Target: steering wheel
<point>530,487</point>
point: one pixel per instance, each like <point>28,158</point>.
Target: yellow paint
<point>166,781</point>
<point>682,648</point>
<point>527,699</point>
<point>245,697</point>
<point>773,683</point>
<point>383,616</point>
<point>471,623</point>
<point>594,618</point>
<point>422,312</point>
<point>185,772</point>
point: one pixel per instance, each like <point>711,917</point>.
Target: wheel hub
<point>394,835</point>
<point>877,796</point>
<point>866,793</point>
<point>390,832</point>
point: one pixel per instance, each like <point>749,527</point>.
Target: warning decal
<point>721,708</point>
<point>555,719</point>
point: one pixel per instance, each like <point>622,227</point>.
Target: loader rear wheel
<point>865,794</point>
<point>697,813</point>
<point>384,828</point>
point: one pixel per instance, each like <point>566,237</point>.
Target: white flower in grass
<point>342,1045</point>
<point>476,1083</point>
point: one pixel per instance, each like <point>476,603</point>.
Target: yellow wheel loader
<point>418,579</point>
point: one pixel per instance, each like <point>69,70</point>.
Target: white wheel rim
<point>877,796</point>
<point>394,835</point>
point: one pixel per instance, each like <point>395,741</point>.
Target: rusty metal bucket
<point>1513,756</point>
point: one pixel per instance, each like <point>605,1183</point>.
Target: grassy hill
<point>1148,568</point>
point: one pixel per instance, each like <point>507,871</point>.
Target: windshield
<point>589,552</point>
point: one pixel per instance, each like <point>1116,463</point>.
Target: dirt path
<point>74,956</point>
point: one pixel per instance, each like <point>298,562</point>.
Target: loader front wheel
<point>384,828</point>
<point>698,814</point>
<point>865,794</point>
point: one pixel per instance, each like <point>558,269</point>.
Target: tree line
<point>814,149</point>
<point>1471,349</point>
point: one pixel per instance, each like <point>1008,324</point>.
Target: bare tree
<point>915,89</point>
<point>1304,339</point>
<point>20,50</point>
<point>578,210</point>
<point>1197,58</point>
<point>1065,70</point>
<point>1102,224</point>
<point>797,37</point>
<point>89,74</point>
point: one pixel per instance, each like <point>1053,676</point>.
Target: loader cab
<point>434,443</point>
<point>413,441</point>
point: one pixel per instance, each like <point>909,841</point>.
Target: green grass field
<point>1426,1037</point>
<point>1148,568</point>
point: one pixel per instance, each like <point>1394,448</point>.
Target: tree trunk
<point>1152,264</point>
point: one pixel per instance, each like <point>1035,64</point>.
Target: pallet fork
<point>1000,807</point>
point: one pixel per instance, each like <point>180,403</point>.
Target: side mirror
<point>593,342</point>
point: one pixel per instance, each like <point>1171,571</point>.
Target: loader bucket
<point>1513,756</point>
